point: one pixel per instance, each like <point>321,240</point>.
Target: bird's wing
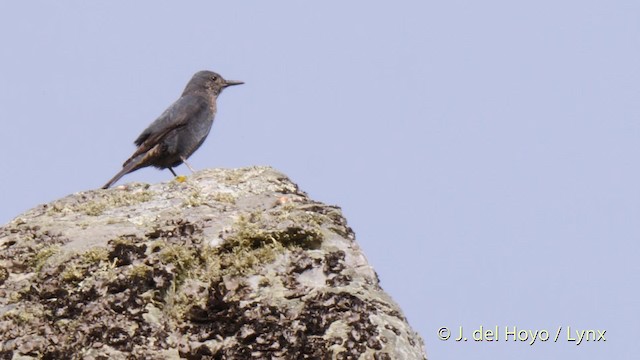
<point>176,116</point>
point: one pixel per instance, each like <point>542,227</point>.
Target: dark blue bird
<point>181,129</point>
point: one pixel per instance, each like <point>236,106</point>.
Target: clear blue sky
<point>485,152</point>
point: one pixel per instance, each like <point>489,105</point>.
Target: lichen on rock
<point>229,264</point>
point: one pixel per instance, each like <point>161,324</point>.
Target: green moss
<point>224,197</point>
<point>177,302</point>
<point>55,208</point>
<point>194,199</point>
<point>131,198</point>
<point>242,260</point>
<point>16,296</point>
<point>4,274</point>
<point>41,257</point>
<point>72,274</point>
<point>140,271</point>
<point>252,245</point>
<point>78,265</point>
<point>114,199</point>
<point>256,241</point>
<point>96,255</point>
<point>20,317</point>
<point>184,259</point>
<point>290,212</point>
<point>94,208</point>
<point>252,232</point>
<point>127,240</point>
<point>209,265</point>
<point>234,177</point>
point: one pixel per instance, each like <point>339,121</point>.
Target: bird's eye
<point>214,78</point>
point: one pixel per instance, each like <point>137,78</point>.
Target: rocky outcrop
<point>229,264</point>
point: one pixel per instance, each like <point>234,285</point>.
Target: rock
<point>230,264</point>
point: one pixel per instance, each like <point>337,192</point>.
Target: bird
<point>180,130</point>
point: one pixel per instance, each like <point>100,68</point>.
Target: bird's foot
<point>181,178</point>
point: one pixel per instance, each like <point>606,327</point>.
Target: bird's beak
<point>232,82</point>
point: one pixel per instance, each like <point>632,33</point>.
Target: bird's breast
<point>195,133</point>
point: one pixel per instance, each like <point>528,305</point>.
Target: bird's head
<point>209,82</point>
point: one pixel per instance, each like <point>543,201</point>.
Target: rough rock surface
<point>229,264</point>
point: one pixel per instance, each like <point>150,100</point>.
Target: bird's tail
<point>129,166</point>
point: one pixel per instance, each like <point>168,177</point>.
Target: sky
<point>484,152</point>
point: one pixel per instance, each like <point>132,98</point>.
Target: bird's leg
<point>179,178</point>
<point>184,160</point>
